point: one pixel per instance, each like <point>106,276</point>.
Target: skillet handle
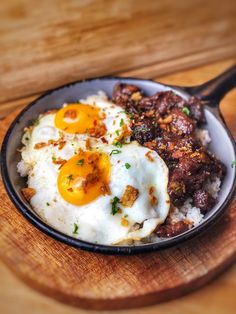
<point>214,90</point>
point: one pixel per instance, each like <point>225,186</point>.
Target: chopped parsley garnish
<point>186,111</point>
<point>122,122</point>
<point>36,122</point>
<point>233,164</point>
<point>80,162</point>
<point>115,152</point>
<point>118,144</point>
<point>76,228</point>
<point>127,165</point>
<point>47,204</point>
<point>53,158</point>
<point>114,207</point>
<point>117,133</point>
<point>126,215</point>
<point>131,116</point>
<point>70,178</point>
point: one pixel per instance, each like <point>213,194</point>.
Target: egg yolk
<point>77,118</point>
<point>84,177</point>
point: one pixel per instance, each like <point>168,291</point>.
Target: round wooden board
<point>111,282</point>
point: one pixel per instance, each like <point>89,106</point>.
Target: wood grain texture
<point>218,297</point>
<point>47,43</point>
<point>110,282</point>
<point>190,78</point>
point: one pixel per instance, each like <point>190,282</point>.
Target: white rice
<point>213,187</point>
<point>203,136</point>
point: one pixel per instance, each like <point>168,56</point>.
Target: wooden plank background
<point>47,43</point>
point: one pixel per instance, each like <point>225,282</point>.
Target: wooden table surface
<point>47,43</point>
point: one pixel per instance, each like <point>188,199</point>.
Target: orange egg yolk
<point>84,177</point>
<point>77,118</point>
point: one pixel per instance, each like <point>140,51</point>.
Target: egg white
<point>95,221</point>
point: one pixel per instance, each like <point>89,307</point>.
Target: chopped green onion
<point>76,228</point>
<point>118,144</point>
<point>114,202</point>
<point>80,162</point>
<point>186,111</point>
<point>122,122</point>
<point>36,122</point>
<point>127,165</point>
<point>233,164</point>
<point>117,133</point>
<point>115,152</point>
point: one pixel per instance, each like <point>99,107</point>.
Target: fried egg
<point>85,184</point>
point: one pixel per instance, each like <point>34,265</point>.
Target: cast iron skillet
<point>222,144</point>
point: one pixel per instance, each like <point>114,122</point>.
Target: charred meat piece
<point>188,176</point>
<point>172,147</point>
<point>196,109</point>
<point>122,89</point>
<point>162,102</point>
<point>203,200</point>
<point>181,123</point>
<point>177,191</point>
<point>171,230</point>
<point>127,96</point>
<point>145,130</point>
<point>218,168</point>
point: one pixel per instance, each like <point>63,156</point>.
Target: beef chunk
<point>162,102</point>
<point>171,230</point>
<point>122,89</point>
<point>177,191</point>
<point>203,200</point>
<point>181,123</point>
<point>145,130</point>
<point>188,176</point>
<point>196,110</point>
<point>218,168</point>
<point>172,147</point>
<point>127,96</point>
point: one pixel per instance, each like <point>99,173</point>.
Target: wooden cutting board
<point>98,281</point>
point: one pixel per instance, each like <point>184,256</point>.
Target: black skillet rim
<point>99,248</point>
